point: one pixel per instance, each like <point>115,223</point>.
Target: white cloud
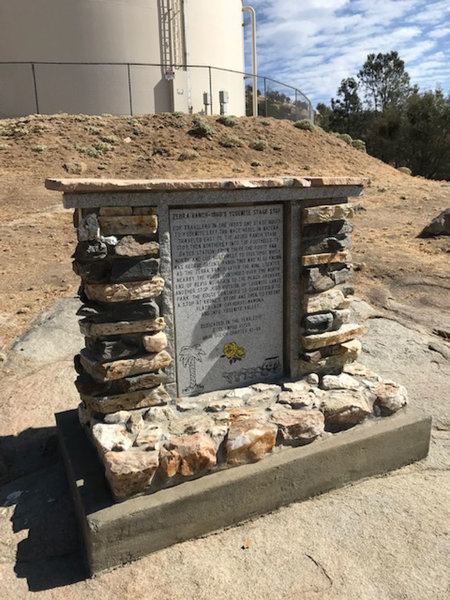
<point>314,44</point>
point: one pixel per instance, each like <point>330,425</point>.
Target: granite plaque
<point>228,296</point>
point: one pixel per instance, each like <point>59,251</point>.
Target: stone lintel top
<point>80,192</point>
<point>87,185</point>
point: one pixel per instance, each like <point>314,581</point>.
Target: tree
<point>323,116</point>
<point>346,108</point>
<point>427,134</point>
<point>384,80</point>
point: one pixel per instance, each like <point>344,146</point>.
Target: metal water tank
<point>119,56</point>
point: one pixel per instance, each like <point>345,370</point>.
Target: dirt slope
<point>398,271</point>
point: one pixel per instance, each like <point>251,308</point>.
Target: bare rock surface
<point>54,335</point>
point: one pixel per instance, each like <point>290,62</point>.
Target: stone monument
<point>218,332</point>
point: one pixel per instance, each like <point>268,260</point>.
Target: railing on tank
<point>275,99</point>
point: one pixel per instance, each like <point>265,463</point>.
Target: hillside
<point>396,270</point>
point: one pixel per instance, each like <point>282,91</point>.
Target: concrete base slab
<point>118,533</point>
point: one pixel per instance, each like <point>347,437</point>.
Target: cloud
<point>314,44</point>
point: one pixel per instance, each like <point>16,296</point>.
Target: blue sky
<point>313,44</point>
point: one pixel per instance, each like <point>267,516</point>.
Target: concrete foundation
<point>118,533</point>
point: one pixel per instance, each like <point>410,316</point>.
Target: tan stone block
<point>249,440</point>
<point>335,362</point>
<point>157,396</point>
<point>315,356</point>
<point>155,343</point>
<point>124,368</point>
<point>121,327</point>
<point>121,225</point>
<point>345,407</point>
<point>325,259</point>
<point>339,180</point>
<point>125,292</point>
<point>298,426</point>
<point>329,338</point>
<point>324,214</point>
<point>130,246</point>
<point>188,455</point>
<point>145,210</point>
<point>115,211</point>
<point>330,300</point>
<point>130,472</point>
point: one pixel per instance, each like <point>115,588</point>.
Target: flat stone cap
<point>129,185</point>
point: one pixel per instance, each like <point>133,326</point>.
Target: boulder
<point>440,225</point>
<point>344,408</point>
<point>391,397</point>
<point>340,382</point>
<point>298,427</point>
<point>108,437</point>
<point>130,472</point>
<point>188,455</point>
<point>249,440</point>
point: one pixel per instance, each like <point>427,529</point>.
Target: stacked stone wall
<point>327,337</point>
<point>122,366</point>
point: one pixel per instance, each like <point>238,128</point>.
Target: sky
<point>314,44</point>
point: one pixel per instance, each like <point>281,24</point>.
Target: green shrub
<point>359,145</point>
<point>345,138</point>
<point>93,129</point>
<point>103,146</point>
<point>258,145</point>
<point>4,146</point>
<point>188,154</point>
<point>265,123</point>
<point>231,141</point>
<point>110,139</point>
<point>201,128</point>
<point>227,120</point>
<point>404,170</point>
<point>39,148</point>
<point>304,124</point>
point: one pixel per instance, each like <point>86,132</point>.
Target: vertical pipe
<point>130,95</point>
<point>265,98</point>
<point>187,56</point>
<point>210,89</point>
<point>36,96</point>
<point>252,13</point>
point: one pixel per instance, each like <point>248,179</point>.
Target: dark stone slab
<point>320,245</point>
<point>87,386</point>
<point>118,533</point>
<point>132,270</point>
<point>90,251</point>
<point>115,348</point>
<point>92,272</point>
<point>98,312</point>
<point>329,229</point>
<point>318,323</point>
<point>323,278</point>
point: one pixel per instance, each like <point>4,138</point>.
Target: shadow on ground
<point>39,502</point>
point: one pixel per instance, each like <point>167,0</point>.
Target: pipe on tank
<point>187,56</point>
<point>252,14</point>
